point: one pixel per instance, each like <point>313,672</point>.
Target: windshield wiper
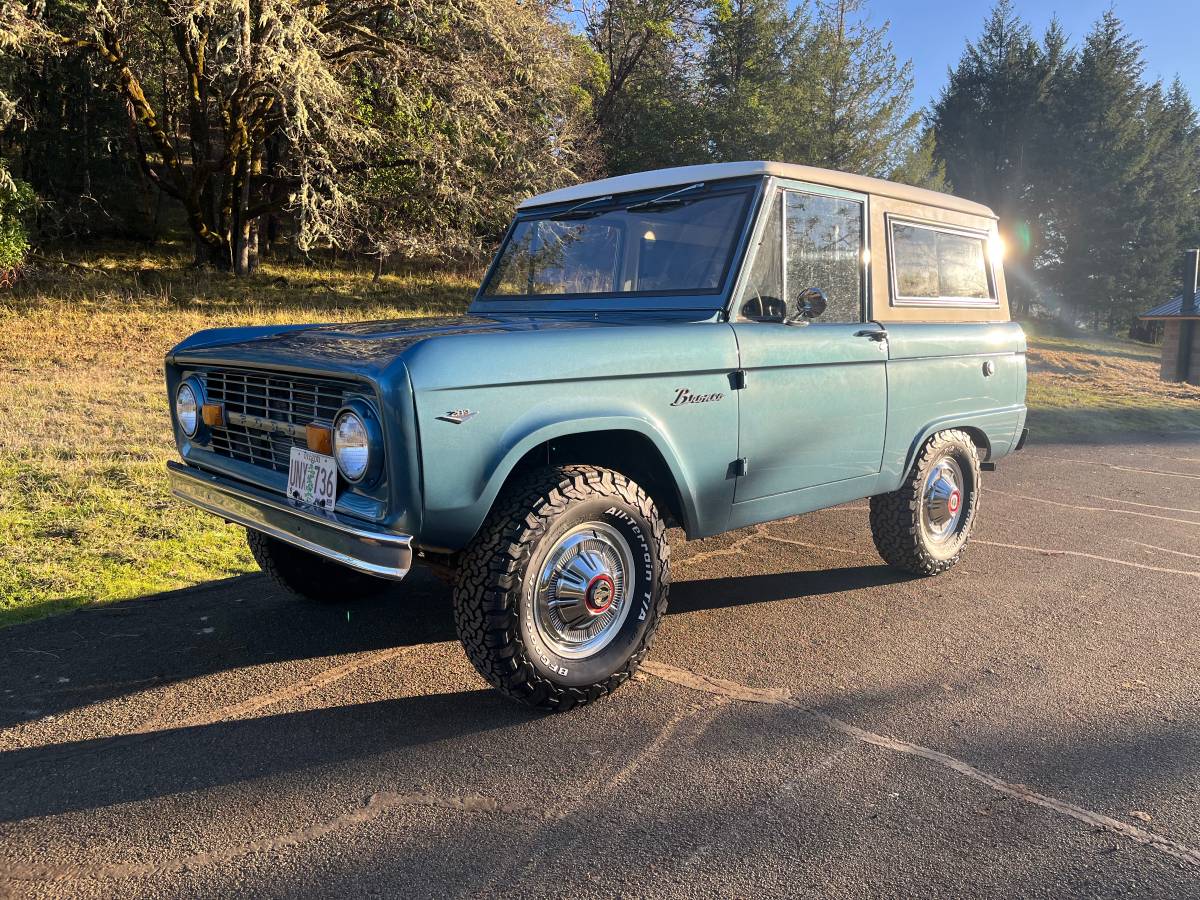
<point>667,199</point>
<point>581,211</point>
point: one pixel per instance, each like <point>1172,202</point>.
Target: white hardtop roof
<point>682,175</point>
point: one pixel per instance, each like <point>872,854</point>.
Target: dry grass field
<point>1085,387</point>
<point>84,512</point>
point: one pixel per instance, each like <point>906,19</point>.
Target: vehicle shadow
<point>94,773</point>
<point>720,593</point>
<point>96,654</point>
<point>99,653</point>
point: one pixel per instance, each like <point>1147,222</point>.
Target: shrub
<point>16,202</point>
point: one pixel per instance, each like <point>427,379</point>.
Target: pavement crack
<point>1089,462</point>
<point>1161,549</point>
<point>664,737</point>
<point>734,549</point>
<point>581,807</point>
<point>365,812</point>
<point>779,540</point>
<point>1119,512</point>
<point>779,697</point>
<point>291,691</point>
<point>1158,506</point>
<point>159,720</point>
<point>1110,559</point>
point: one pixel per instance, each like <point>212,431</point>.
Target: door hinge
<point>737,380</point>
<point>741,467</point>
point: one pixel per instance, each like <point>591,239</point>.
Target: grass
<point>1084,387</point>
<point>85,516</point>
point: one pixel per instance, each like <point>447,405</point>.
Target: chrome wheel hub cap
<point>942,505</point>
<point>582,592</point>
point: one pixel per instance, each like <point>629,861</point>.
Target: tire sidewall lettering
<point>570,672</point>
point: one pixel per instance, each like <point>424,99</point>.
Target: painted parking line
<point>778,697</point>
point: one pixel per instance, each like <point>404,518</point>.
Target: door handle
<point>873,334</point>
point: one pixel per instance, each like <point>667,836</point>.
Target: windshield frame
<point>607,301</point>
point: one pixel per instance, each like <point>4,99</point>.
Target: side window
<point>936,266</point>
<point>762,297</point>
<point>823,242</point>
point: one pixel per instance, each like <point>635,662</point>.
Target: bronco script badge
<point>683,397</point>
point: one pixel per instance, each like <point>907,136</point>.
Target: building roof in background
<point>682,175</point>
<point>1173,309</point>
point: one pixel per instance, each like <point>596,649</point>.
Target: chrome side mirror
<point>810,303</point>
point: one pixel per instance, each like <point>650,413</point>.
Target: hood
<point>361,347</point>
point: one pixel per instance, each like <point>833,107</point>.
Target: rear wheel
<point>306,575</point>
<point>559,596</point>
<point>923,527</point>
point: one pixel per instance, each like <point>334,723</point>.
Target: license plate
<point>312,479</point>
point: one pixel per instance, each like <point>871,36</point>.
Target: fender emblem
<point>683,397</point>
<point>457,416</point>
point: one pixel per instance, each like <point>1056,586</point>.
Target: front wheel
<point>923,527</point>
<point>559,596</point>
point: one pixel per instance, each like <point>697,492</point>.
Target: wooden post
<point>1187,328</point>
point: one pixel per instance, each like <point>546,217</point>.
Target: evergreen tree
<point>1106,180</point>
<point>757,83</point>
<point>862,113</point>
<point>921,166</point>
<point>644,85</point>
<point>1176,171</point>
<point>988,123</point>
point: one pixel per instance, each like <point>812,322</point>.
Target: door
<point>814,406</point>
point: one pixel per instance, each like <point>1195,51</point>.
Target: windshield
<point>678,241</point>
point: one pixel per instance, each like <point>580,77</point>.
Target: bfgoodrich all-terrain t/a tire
<point>923,527</point>
<point>559,595</point>
<point>305,575</point>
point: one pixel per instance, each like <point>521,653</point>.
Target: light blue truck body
<point>791,418</point>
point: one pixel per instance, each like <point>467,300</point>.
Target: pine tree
<point>920,166</point>
<point>755,82</point>
<point>861,111</point>
<point>988,123</point>
<point>646,108</point>
<point>1106,196</point>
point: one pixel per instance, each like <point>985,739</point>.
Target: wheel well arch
<point>629,452</point>
<point>977,435</point>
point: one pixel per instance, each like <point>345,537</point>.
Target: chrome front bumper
<point>377,553</point>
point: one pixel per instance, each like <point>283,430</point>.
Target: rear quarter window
<point>937,265</point>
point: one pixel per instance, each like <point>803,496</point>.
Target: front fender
<point>455,509</point>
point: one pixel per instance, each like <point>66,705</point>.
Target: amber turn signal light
<point>213,415</point>
<point>320,438</point>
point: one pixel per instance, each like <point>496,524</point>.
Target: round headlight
<point>351,445</point>
<point>187,409</point>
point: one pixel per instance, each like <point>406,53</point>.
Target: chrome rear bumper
<point>379,553</point>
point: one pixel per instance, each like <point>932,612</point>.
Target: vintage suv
<point>706,347</point>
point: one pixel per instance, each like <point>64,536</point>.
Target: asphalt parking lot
<point>810,724</point>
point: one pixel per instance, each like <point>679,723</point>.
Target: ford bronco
<point>705,347</point>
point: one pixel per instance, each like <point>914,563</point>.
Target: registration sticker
<point>312,479</point>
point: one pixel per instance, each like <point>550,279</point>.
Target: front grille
<point>287,399</point>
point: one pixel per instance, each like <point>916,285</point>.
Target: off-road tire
<point>493,600</point>
<point>303,574</point>
<point>896,516</point>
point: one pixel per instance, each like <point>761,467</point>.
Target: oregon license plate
<point>312,479</point>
